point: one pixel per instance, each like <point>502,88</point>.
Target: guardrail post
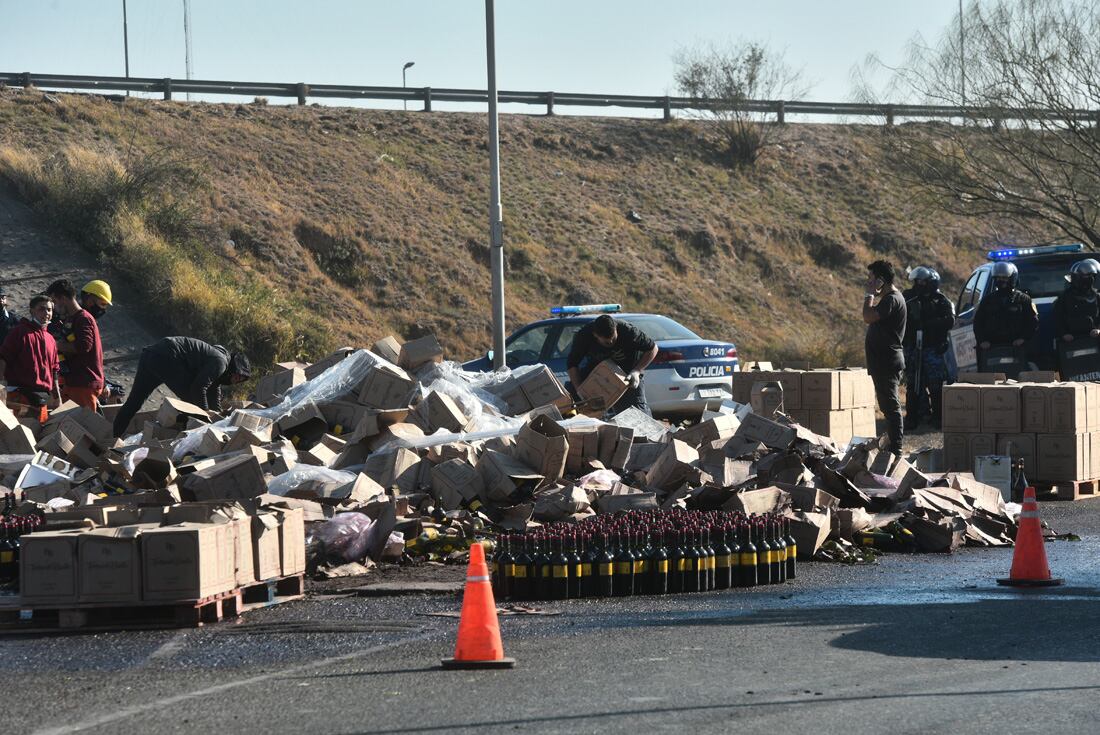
<point>427,99</point>
<point>889,115</point>
<point>166,84</point>
<point>303,90</point>
<point>26,79</point>
<point>781,112</point>
<point>666,103</point>
<point>549,103</point>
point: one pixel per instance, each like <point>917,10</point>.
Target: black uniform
<point>191,368</point>
<point>1076,312</point>
<point>886,361</point>
<point>1004,317</point>
<point>8,319</point>
<point>630,344</point>
<point>933,315</point>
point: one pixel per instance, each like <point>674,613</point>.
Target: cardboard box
<point>829,390</point>
<point>542,445</point>
<point>956,452</point>
<point>187,561</point>
<point>981,444</point>
<point>394,469</point>
<point>996,471</point>
<point>418,352</point>
<point>980,378</point>
<point>444,413</point>
<point>1038,376</point>
<point>614,445</point>
<point>961,408</point>
<point>605,385</point>
<point>1000,408</point>
<point>266,552</point>
<point>325,363</point>
<point>673,466</point>
<point>292,539</point>
<point>1068,408</point>
<point>304,426</point>
<point>386,387</point>
<point>232,479</point>
<point>864,423</point>
<point>769,433</point>
<point>110,564</point>
<point>273,385</point>
<point>711,430</point>
<point>99,427</point>
<point>1094,455</point>
<point>19,440</point>
<point>1064,457</point>
<point>173,413</point>
<point>1021,446</point>
<point>343,417</point>
<point>542,388</point>
<point>791,380</point>
<point>836,425</point>
<point>507,480</point>
<point>456,483</point>
<point>1092,406</point>
<point>767,397</point>
<point>231,514</point>
<point>1035,409</point>
<point>48,570</point>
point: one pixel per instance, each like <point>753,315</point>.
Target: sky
<point>592,46</point>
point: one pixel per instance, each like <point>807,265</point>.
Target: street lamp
<point>404,69</point>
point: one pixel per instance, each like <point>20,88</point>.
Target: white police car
<point>687,374</point>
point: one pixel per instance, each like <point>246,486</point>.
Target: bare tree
<point>1027,76</point>
<point>726,85</point>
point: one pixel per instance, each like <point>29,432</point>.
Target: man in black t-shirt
<point>884,314</point>
<point>627,346</point>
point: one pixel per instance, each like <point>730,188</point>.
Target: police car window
<point>564,341</point>
<point>979,290</point>
<point>1043,280</point>
<point>966,296</point>
<point>660,327</point>
<point>527,347</point>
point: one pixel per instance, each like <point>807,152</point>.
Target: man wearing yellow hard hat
<point>96,297</point>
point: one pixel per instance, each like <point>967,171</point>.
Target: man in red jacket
<point>28,358</point>
<point>80,347</point>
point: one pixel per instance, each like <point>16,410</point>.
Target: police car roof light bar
<point>1010,253</point>
<point>585,309</point>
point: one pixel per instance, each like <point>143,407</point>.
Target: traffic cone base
<point>478,645</point>
<point>1029,558</point>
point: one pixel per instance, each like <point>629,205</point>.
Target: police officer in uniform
<point>929,318</point>
<point>1006,317</point>
<point>1077,309</point>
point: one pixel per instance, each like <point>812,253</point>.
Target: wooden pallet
<point>1075,490</point>
<point>146,615</point>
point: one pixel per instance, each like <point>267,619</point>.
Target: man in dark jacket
<point>8,318</point>
<point>1006,317</point>
<point>929,318</point>
<point>884,315</point>
<point>1077,318</point>
<point>606,338</point>
<point>191,368</point>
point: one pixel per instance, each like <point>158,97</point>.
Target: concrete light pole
<point>496,225</point>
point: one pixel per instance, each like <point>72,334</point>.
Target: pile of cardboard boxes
<point>151,553</point>
<point>839,404</point>
<point>1054,427</point>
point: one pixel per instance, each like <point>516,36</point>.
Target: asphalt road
<point>913,644</point>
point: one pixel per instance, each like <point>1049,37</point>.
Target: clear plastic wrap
<point>293,478</point>
<point>346,538</point>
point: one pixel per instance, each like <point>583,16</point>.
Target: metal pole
<point>187,40</point>
<point>962,56</point>
<point>405,68</point>
<point>126,42</point>
<point>496,224</point>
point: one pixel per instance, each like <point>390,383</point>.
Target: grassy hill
<point>346,225</point>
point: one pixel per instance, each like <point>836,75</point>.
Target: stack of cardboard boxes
<point>188,551</point>
<point>1054,427</point>
<point>836,403</point>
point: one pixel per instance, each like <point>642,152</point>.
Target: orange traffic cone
<point>1029,559</point>
<point>478,645</point>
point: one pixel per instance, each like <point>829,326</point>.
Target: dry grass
<point>375,221</point>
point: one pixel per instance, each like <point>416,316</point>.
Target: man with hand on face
<point>28,360</point>
<point>606,338</point>
<point>884,314</point>
<point>80,346</point>
<point>1006,317</point>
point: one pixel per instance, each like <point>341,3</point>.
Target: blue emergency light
<point>1010,253</point>
<point>586,309</point>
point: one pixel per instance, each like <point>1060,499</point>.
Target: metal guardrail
<point>550,100</point>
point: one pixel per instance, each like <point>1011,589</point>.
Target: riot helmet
<point>1005,276</point>
<point>925,280</point>
<point>1082,275</point>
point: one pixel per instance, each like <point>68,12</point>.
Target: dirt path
<point>32,257</point>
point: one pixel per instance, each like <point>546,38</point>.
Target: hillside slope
<point>375,221</point>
